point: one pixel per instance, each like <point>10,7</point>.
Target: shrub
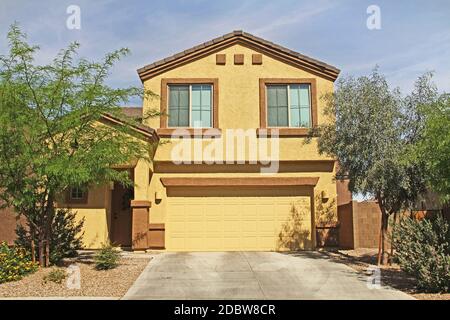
<point>65,239</point>
<point>15,263</point>
<point>422,249</point>
<point>106,258</point>
<point>56,276</point>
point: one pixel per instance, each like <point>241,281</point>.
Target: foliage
<point>65,239</point>
<point>51,134</point>
<point>14,263</point>
<point>325,211</point>
<point>422,248</point>
<point>56,275</point>
<point>294,235</point>
<point>434,146</point>
<point>373,129</point>
<point>107,257</point>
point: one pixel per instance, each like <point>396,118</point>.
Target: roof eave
<point>146,131</point>
<point>277,51</point>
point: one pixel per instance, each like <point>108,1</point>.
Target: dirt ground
<point>94,283</point>
<point>391,275</point>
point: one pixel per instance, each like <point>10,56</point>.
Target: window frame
<point>79,192</point>
<point>190,107</point>
<point>288,86</point>
<point>286,131</point>
<point>164,130</point>
<point>77,200</point>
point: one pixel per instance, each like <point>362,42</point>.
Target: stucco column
<point>313,218</point>
<point>139,224</point>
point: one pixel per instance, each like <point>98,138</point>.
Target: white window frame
<point>288,85</point>
<point>190,102</point>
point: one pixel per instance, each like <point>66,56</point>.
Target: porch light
<point>325,195</point>
<point>157,196</point>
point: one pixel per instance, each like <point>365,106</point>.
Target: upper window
<point>289,105</point>
<point>190,105</point>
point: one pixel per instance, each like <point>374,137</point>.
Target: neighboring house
<point>237,81</point>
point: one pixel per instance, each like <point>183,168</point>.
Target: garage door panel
<point>178,227</point>
<point>267,227</point>
<point>233,223</point>
<point>231,243</point>
<point>195,227</point>
<point>249,226</point>
<point>250,243</point>
<point>213,243</point>
<point>177,242</point>
<point>214,226</point>
<point>267,243</point>
<point>266,211</point>
<point>249,213</point>
<point>232,226</point>
<point>194,242</point>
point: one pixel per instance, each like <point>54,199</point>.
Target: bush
<point>107,258</point>
<point>56,276</point>
<point>66,237</point>
<point>14,263</point>
<point>422,249</point>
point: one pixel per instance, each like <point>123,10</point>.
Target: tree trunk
<point>49,215</point>
<point>33,245</point>
<point>380,240</point>
<point>47,253</point>
<point>384,227</point>
<point>382,258</point>
<point>392,247</point>
<point>41,253</point>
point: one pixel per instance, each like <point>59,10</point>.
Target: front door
<point>121,215</point>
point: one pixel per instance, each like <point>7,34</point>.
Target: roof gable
<point>239,37</point>
<point>141,129</point>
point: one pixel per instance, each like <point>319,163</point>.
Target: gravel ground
<point>361,259</point>
<point>94,283</point>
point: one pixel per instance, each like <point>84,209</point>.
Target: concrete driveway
<point>252,275</point>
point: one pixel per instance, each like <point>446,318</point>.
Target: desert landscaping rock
<point>362,259</point>
<point>94,283</point>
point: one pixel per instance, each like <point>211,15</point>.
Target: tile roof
<point>136,113</point>
<point>239,35</point>
<point>133,112</point>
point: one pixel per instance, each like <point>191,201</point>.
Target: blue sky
<point>414,35</point>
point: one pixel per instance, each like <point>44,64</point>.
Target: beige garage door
<point>246,219</point>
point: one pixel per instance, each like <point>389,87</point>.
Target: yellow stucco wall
<point>238,109</point>
<point>95,226</point>
<point>96,215</point>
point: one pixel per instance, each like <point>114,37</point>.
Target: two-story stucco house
<point>233,171</point>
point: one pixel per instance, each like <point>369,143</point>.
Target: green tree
<point>373,128</point>
<point>50,137</point>
<point>433,146</point>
